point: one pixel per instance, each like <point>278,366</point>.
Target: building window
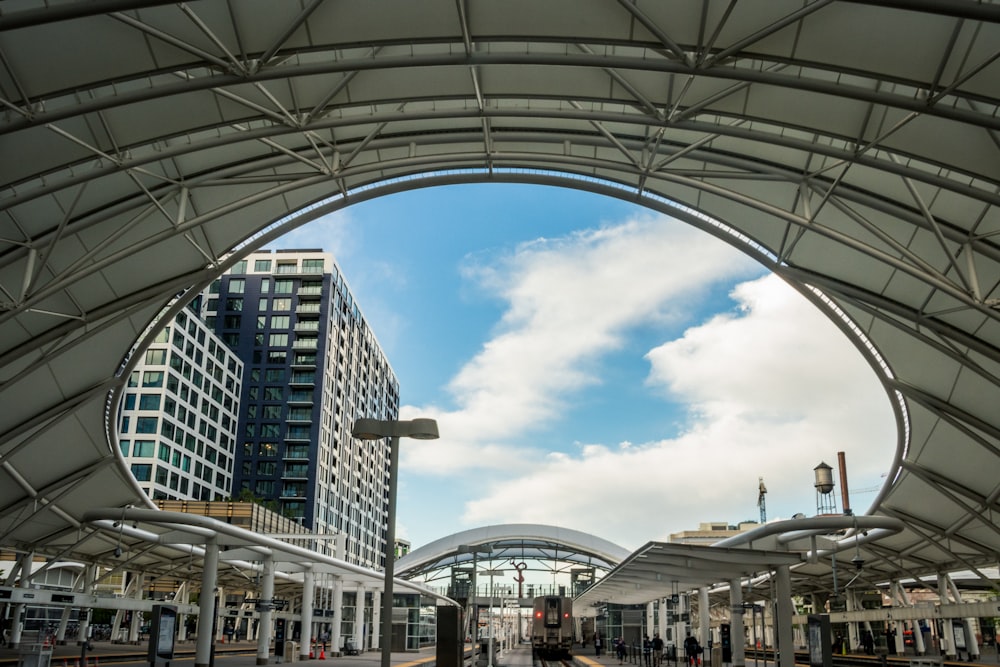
<point>267,449</point>
<point>264,488</point>
<point>262,265</point>
<point>164,453</point>
<point>142,471</point>
<point>156,357</point>
<point>279,322</point>
<point>283,286</point>
<point>282,304</point>
<point>152,379</point>
<point>312,266</point>
<point>146,424</point>
<point>234,303</point>
<point>143,449</point>
<point>239,268</point>
<point>149,402</point>
<point>237,286</point>
<point>274,375</point>
<point>278,340</point>
<point>266,467</point>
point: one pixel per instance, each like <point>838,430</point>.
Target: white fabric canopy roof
<point>850,146</point>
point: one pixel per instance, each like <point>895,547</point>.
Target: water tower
<point>826,501</point>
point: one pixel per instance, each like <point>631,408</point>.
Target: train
<point>552,629</point>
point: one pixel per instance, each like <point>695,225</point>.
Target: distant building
<point>402,548</point>
<point>178,415</point>
<point>312,368</point>
<point>711,532</point>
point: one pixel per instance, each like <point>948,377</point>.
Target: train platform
<point>229,654</point>
<point>988,658</point>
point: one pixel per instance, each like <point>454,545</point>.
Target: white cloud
<point>570,300</point>
<point>772,391</point>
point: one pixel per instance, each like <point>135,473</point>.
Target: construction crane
<point>761,492</point>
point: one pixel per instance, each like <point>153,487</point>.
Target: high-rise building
<point>312,367</point>
<point>178,416</point>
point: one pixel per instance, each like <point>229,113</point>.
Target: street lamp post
<point>492,630</point>
<point>375,429</point>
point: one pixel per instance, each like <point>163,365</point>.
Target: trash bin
<point>291,651</point>
<point>34,655</point>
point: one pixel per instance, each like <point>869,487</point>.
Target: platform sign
<point>162,633</point>
<point>820,648</point>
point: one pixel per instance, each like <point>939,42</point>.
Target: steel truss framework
<point>853,147</point>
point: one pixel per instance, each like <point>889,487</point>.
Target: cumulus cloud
<point>771,390</point>
<point>568,301</point>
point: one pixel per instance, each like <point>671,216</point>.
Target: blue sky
<point>598,366</point>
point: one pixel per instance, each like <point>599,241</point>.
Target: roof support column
<point>650,630</point>
<point>17,620</point>
<point>661,624</point>
<point>359,619</point>
<point>968,624</point>
<point>337,604</point>
<point>206,603</point>
<point>704,623</point>
<point>267,598</point>
<point>783,616</point>
<point>736,631</point>
<point>133,628</point>
<point>308,591</point>
<point>377,619</point>
<point>84,613</point>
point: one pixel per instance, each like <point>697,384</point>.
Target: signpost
<point>162,634</point>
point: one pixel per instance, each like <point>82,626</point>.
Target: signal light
<point>538,614</point>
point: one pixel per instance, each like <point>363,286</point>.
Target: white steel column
<point>377,618</point>
<point>206,603</point>
<point>704,622</point>
<point>359,618</point>
<point>736,631</point>
<point>969,624</point>
<point>308,593</point>
<point>267,597</point>
<point>338,611</point>
<point>133,628</point>
<point>783,616</point>
<point>84,613</point>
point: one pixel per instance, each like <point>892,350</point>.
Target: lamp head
<point>372,429</point>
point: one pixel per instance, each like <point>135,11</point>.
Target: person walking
<point>691,650</point>
<point>657,650</point>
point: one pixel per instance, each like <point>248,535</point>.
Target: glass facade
<point>313,367</point>
<point>178,415</point>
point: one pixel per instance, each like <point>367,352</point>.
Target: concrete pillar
<point>377,619</point>
<point>661,620</point>
<point>337,604</point>
<point>784,610</point>
<point>133,628</point>
<point>266,594</point>
<point>206,603</point>
<point>648,626</point>
<point>704,622</point>
<point>183,597</point>
<point>736,629</point>
<point>944,640</point>
<point>84,613</point>
<point>968,624</point>
<point>308,592</point>
<point>359,618</point>
<point>17,620</point>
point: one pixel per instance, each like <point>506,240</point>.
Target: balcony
<point>295,471</point>
<point>299,396</point>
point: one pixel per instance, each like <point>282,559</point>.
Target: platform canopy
<point>552,547</point>
<point>660,570</point>
<point>851,147</point>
